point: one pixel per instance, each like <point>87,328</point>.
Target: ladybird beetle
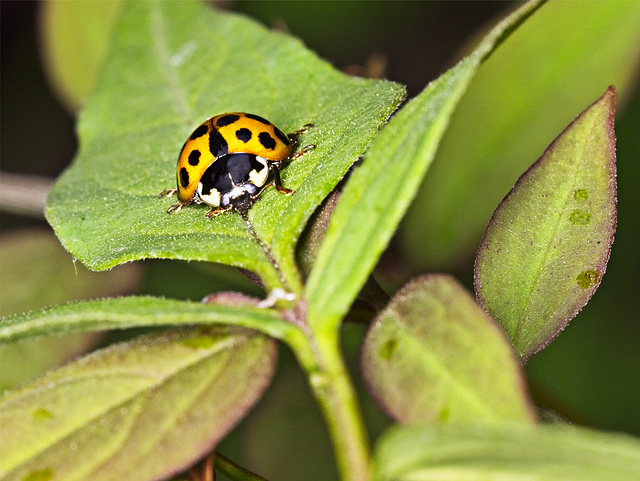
<point>227,161</point>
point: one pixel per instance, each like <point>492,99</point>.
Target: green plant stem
<point>233,470</point>
<point>321,358</point>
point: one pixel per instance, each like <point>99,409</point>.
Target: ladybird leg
<point>305,150</point>
<point>284,190</point>
<point>280,188</point>
<point>177,207</point>
<point>277,181</point>
<point>300,131</point>
<point>218,210</point>
<point>167,192</point>
<point>255,197</point>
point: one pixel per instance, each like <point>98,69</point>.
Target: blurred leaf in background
<point>37,256</point>
<point>557,63</point>
<point>74,39</point>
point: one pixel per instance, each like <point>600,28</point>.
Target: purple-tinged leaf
<point>513,452</point>
<point>149,407</point>
<point>434,355</point>
<point>547,245</point>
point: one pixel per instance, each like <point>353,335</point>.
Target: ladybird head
<point>241,197</point>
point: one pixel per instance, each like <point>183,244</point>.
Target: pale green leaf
<point>510,452</point>
<point>138,410</point>
<point>547,245</point>
<point>434,355</point>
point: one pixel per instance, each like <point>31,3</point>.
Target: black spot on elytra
<point>184,178</point>
<point>217,144</point>
<point>243,135</point>
<point>282,136</point>
<point>199,132</point>
<point>258,118</point>
<point>266,140</point>
<point>194,157</point>
<point>227,120</point>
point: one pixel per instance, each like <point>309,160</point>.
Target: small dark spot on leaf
<point>198,342</point>
<point>444,414</point>
<point>581,194</point>
<point>580,217</point>
<point>42,415</point>
<point>388,348</point>
<point>40,475</point>
<point>587,279</point>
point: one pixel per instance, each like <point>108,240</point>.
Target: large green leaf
<point>139,410</point>
<point>434,355</point>
<point>529,90</point>
<point>513,452</point>
<point>173,64</point>
<point>548,243</point>
<point>381,189</point>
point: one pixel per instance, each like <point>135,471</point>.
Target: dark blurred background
<point>590,374</point>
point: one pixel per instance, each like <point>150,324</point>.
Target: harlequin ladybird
<point>227,161</point>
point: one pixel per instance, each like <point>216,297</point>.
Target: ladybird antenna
<point>263,246</point>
